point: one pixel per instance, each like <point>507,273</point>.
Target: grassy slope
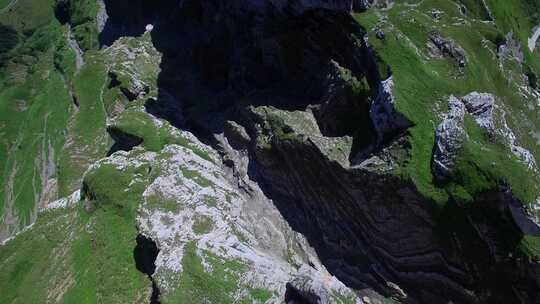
<point>35,104</point>
<point>422,85</point>
<point>87,128</point>
<point>98,266</point>
<point>28,15</point>
<point>35,137</point>
<point>71,256</point>
<point>37,121</point>
<point>27,275</point>
<point>82,20</point>
<point>4,3</point>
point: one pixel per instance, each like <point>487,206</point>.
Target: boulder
<point>480,106</point>
<point>438,46</point>
<point>386,119</point>
<point>449,138</point>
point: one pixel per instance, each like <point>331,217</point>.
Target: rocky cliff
<point>284,151</point>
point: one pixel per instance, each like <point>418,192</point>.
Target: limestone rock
<point>366,4</point>
<point>511,141</point>
<point>314,287</point>
<point>438,46</point>
<point>480,106</point>
<point>511,49</point>
<point>386,119</point>
<point>236,134</point>
<point>449,138</point>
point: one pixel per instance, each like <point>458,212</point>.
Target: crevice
<point>532,78</point>
<point>75,100</point>
<point>145,254</point>
<point>130,94</point>
<point>122,140</point>
<point>114,81</point>
<point>62,11</point>
<point>295,296</point>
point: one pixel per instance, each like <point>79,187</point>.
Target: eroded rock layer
<point>250,151</point>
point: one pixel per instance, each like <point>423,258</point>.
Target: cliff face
<point>285,151</point>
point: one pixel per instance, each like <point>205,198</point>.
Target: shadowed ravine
<point>145,254</point>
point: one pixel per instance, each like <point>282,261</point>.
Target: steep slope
<point>270,151</point>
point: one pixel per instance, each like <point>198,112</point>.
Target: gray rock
<point>449,138</point>
<point>511,49</point>
<point>315,287</point>
<point>438,46</point>
<point>436,14</point>
<point>362,5</point>
<point>101,17</point>
<point>480,106</point>
<point>366,4</point>
<point>236,134</point>
<point>386,119</point>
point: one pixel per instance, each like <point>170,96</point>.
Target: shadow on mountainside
<point>220,58</point>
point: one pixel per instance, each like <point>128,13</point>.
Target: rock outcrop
<point>286,132</point>
<point>193,212</point>
<point>386,119</point>
<point>449,139</point>
<point>438,47</point>
<point>260,156</point>
<point>480,106</point>
<point>362,5</point>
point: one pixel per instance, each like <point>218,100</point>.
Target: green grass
<point>531,246</point>
<point>33,119</point>
<point>198,286</point>
<point>202,224</point>
<point>421,89</point>
<point>484,165</point>
<point>82,18</point>
<point>35,262</point>
<point>421,85</point>
<point>475,8</point>
<point>110,186</point>
<point>140,124</point>
<point>103,254</point>
<point>519,17</point>
<point>76,257</point>
<point>28,15</point>
<point>160,203</point>
<point>4,3</point>
<point>260,295</point>
<point>87,128</point>
<point>104,266</point>
<point>36,106</point>
<point>72,257</point>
